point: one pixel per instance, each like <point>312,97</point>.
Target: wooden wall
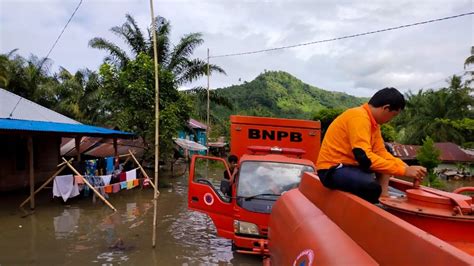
<point>14,160</point>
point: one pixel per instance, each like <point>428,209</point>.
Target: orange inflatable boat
<point>312,225</point>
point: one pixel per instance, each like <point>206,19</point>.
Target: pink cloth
<point>116,187</point>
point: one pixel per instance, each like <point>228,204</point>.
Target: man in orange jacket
<point>353,149</point>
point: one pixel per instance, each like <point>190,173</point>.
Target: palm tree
<point>431,113</point>
<point>28,78</point>
<point>176,59</point>
<point>5,67</point>
<point>78,96</point>
<point>470,61</point>
<point>200,102</point>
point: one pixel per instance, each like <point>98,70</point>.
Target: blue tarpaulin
<point>53,127</point>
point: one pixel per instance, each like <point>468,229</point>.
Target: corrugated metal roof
<point>404,152</point>
<point>196,124</point>
<point>450,152</point>
<point>68,145</point>
<point>63,128</point>
<point>217,144</point>
<point>105,148</point>
<point>101,147</point>
<point>190,145</point>
<point>13,106</point>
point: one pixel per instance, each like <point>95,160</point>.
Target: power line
<point>65,26</point>
<point>441,80</point>
<point>343,37</point>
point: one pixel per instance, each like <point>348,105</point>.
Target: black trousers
<point>353,180</point>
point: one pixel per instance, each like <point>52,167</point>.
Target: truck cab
<point>273,155</point>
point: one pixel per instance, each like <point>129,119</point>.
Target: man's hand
<point>415,171</point>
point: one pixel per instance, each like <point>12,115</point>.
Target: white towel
<point>65,187</point>
<point>131,175</point>
<point>106,179</point>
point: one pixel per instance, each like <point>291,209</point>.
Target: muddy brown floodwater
<point>85,233</point>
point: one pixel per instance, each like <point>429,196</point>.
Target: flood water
<point>84,233</point>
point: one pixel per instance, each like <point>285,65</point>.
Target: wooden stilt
<point>62,166</point>
<point>142,170</point>
<point>31,171</point>
<point>78,148</point>
<point>116,156</point>
<point>90,186</point>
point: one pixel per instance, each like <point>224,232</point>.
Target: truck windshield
<point>257,178</point>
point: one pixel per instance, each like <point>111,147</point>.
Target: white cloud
<point>407,59</point>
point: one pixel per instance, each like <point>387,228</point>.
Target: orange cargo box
<point>300,138</point>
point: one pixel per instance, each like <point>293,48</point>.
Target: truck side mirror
<point>226,187</point>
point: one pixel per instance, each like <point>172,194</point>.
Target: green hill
<point>279,94</point>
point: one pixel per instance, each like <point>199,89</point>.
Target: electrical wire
<point>65,26</point>
<point>343,37</point>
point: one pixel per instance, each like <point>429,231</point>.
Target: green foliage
<point>445,114</point>
<point>326,116</point>
<point>176,59</point>
<point>389,133</point>
<point>131,95</point>
<point>432,180</point>
<point>428,156</point>
<point>279,94</point>
<point>470,61</point>
<point>198,96</point>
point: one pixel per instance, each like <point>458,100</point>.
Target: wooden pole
<point>208,131</point>
<point>141,168</point>
<point>116,156</point>
<point>78,148</point>
<point>157,121</point>
<point>62,166</point>
<point>126,160</point>
<point>90,186</point>
<point>31,171</point>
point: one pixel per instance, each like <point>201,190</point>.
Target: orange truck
<point>273,154</point>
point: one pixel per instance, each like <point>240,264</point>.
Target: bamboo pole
<point>126,160</point>
<point>141,168</point>
<point>62,166</point>
<point>208,131</point>
<point>90,186</point>
<point>157,121</point>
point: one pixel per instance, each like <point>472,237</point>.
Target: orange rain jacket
<point>357,128</point>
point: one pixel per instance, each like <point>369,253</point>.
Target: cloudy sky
<point>408,59</point>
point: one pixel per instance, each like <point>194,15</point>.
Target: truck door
<point>205,195</point>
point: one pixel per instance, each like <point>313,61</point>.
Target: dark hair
<point>232,159</point>
<point>390,96</point>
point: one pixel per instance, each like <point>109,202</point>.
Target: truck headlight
<point>245,228</point>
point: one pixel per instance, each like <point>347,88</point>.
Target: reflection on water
<point>82,232</point>
<point>66,223</point>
